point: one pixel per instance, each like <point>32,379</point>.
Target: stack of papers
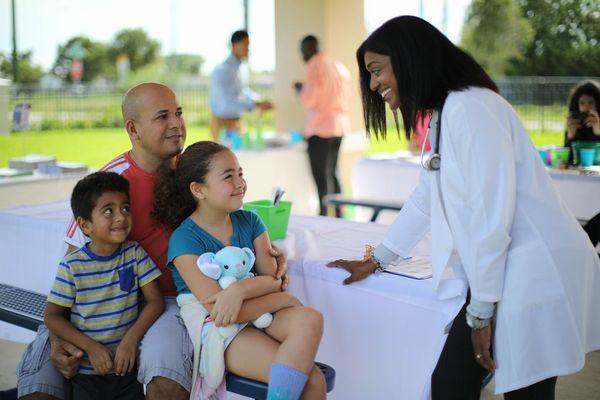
<point>13,172</point>
<point>29,162</point>
<point>414,268</point>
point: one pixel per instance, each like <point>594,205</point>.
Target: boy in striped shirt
<point>99,284</point>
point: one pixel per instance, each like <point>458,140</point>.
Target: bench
<point>336,200</point>
<point>21,307</point>
<point>258,390</point>
<point>25,308</point>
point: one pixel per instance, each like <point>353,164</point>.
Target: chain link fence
<point>91,106</point>
<point>541,102</point>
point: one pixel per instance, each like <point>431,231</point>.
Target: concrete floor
<point>584,385</point>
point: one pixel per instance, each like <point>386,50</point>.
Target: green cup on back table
<point>560,157</point>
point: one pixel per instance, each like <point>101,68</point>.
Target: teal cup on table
<point>296,137</point>
<point>586,157</point>
<point>543,155</point>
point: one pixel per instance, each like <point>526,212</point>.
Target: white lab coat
<point>499,226</point>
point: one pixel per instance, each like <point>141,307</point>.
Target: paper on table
<point>414,268</point>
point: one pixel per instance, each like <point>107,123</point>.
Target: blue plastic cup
<point>586,157</point>
<point>543,155</point>
<point>236,142</point>
<point>296,136</point>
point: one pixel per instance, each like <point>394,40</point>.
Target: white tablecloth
<point>394,177</point>
<point>382,335</point>
<point>285,166</point>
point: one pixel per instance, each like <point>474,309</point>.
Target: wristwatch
<point>477,323</point>
<point>370,256</point>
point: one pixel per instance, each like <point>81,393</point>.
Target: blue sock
<point>285,383</point>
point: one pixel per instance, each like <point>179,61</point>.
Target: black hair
<point>173,200</point>
<point>310,40</point>
<point>426,65</point>
<point>591,88</point>
<point>238,36</point>
<point>89,189</point>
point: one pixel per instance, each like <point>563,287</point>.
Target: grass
<point>91,146</point>
<point>396,143</point>
<point>97,146</point>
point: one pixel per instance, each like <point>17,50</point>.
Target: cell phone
<point>580,115</point>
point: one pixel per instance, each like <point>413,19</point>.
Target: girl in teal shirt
<point>202,198</point>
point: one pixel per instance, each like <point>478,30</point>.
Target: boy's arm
<point>99,355</point>
<point>58,325</point>
<point>126,352</point>
<point>155,305</point>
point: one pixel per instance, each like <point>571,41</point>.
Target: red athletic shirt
<point>152,238</point>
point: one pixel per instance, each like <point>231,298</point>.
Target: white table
<point>285,166</point>
<point>393,177</point>
<point>382,335</point>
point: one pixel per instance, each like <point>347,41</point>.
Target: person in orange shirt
<point>324,93</point>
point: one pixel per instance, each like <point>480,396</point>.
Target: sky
<point>183,26</point>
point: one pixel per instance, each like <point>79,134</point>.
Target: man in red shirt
<point>154,122</point>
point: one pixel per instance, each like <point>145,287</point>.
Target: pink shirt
<point>325,94</point>
<point>420,133</point>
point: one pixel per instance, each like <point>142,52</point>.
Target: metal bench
<point>25,308</point>
<point>258,390</point>
<point>336,200</point>
<point>21,307</point>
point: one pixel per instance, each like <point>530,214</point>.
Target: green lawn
<point>96,146</point>
<point>91,146</point>
<point>394,143</point>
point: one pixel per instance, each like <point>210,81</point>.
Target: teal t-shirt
<point>189,238</point>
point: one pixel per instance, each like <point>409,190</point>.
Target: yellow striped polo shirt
<point>102,291</point>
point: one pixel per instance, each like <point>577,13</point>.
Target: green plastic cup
<point>275,217</point>
<point>560,157</point>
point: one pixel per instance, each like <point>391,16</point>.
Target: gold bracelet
<point>370,256</point>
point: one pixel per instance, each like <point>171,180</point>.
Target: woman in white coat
<point>500,235</point>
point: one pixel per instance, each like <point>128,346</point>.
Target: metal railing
<point>88,106</point>
<point>541,103</point>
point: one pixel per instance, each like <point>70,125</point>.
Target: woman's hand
<point>593,121</point>
<point>572,125</point>
<point>359,269</point>
<point>482,342</point>
<point>227,305</point>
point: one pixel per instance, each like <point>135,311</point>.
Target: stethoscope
<point>434,161</point>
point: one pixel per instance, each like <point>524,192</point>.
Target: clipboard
<point>414,268</point>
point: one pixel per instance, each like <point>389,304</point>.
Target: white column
<point>339,26</point>
<point>4,111</point>
<point>344,31</point>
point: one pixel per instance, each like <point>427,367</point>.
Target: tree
<point>566,38</point>
<point>94,55</point>
<point>495,33</point>
<point>28,72</point>
<point>137,45</point>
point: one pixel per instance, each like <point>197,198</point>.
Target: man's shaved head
<point>134,98</point>
<point>154,122</point>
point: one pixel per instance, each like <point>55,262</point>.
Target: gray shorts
<point>165,350</point>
